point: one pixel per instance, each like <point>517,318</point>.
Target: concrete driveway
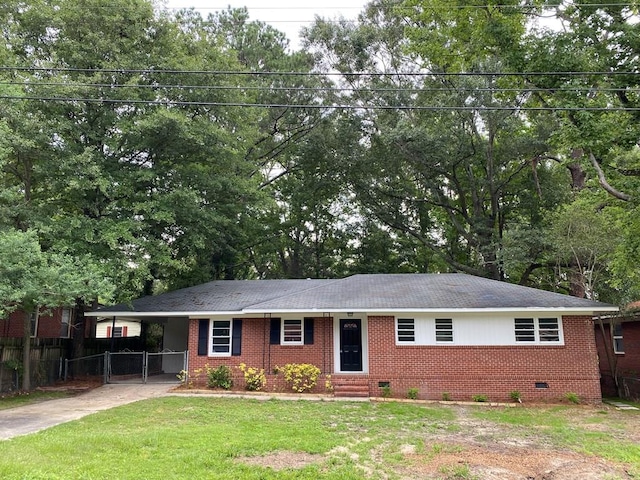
<point>38,416</point>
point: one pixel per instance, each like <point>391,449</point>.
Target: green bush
<point>412,393</point>
<point>446,396</point>
<point>302,377</point>
<point>255,378</point>
<point>219,377</point>
<point>515,396</point>
<point>572,397</point>
<point>480,398</point>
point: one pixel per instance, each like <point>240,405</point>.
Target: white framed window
<point>618,343</point>
<point>537,330</point>
<point>444,330</point>
<point>405,330</point>
<point>220,345</point>
<point>65,323</point>
<point>292,332</point>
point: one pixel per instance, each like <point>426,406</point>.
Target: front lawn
<point>219,438</point>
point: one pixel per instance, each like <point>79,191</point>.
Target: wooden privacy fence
<point>46,366</point>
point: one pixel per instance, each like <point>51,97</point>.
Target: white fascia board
<point>385,311</point>
<point>565,310</point>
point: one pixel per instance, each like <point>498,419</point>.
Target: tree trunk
<point>78,330</point>
<point>26,352</point>
<point>576,283</point>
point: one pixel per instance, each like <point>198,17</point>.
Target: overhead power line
<point>268,88</point>
<point>313,106</point>
<point>312,74</point>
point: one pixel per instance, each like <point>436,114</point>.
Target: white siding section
<point>133,327</point>
<point>476,329</point>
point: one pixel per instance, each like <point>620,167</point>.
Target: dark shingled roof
<point>356,293</point>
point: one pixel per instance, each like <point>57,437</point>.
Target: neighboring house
<point>445,335</point>
<point>618,341</point>
<point>55,323</point>
<point>107,328</point>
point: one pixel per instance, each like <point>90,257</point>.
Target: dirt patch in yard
<point>457,461</point>
<point>508,463</point>
<point>282,460</point>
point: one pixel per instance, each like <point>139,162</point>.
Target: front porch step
<point>351,386</point>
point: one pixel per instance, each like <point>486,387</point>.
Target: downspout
<point>264,345</point>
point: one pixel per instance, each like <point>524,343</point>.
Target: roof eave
<point>249,311</point>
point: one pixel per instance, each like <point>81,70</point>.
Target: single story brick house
<point>451,335</point>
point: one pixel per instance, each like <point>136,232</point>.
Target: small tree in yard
<point>31,279</point>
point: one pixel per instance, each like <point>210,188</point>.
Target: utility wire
<point>311,74</point>
<point>321,89</point>
<point>396,5</point>
<point>314,106</point>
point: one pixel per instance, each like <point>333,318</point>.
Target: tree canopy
<point>168,149</point>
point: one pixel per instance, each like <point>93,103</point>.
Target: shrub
<point>328,386</point>
<point>412,393</point>
<point>515,396</point>
<point>446,396</point>
<point>386,391</point>
<point>302,377</point>
<point>187,379</point>
<point>183,376</point>
<point>256,379</point>
<point>572,397</point>
<point>480,398</point>
<point>219,377</point>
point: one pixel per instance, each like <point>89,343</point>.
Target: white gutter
<point>260,312</point>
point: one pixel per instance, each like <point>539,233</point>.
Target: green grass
<point>200,438</point>
<point>11,400</point>
<point>204,437</point>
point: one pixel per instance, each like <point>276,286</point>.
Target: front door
<point>350,345</point>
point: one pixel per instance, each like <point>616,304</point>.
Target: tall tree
<point>32,280</point>
<point>135,162</point>
<point>447,157</point>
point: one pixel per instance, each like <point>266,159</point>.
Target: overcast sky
<point>288,16</point>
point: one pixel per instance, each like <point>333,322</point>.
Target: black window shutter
<point>308,331</point>
<point>203,337</point>
<point>236,337</point>
<point>274,336</point>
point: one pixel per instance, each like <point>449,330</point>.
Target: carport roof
<point>371,293</point>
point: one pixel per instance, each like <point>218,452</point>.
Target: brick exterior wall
<point>494,371</point>
<point>628,363</point>
<point>460,371</point>
<point>258,353</point>
<point>48,325</point>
